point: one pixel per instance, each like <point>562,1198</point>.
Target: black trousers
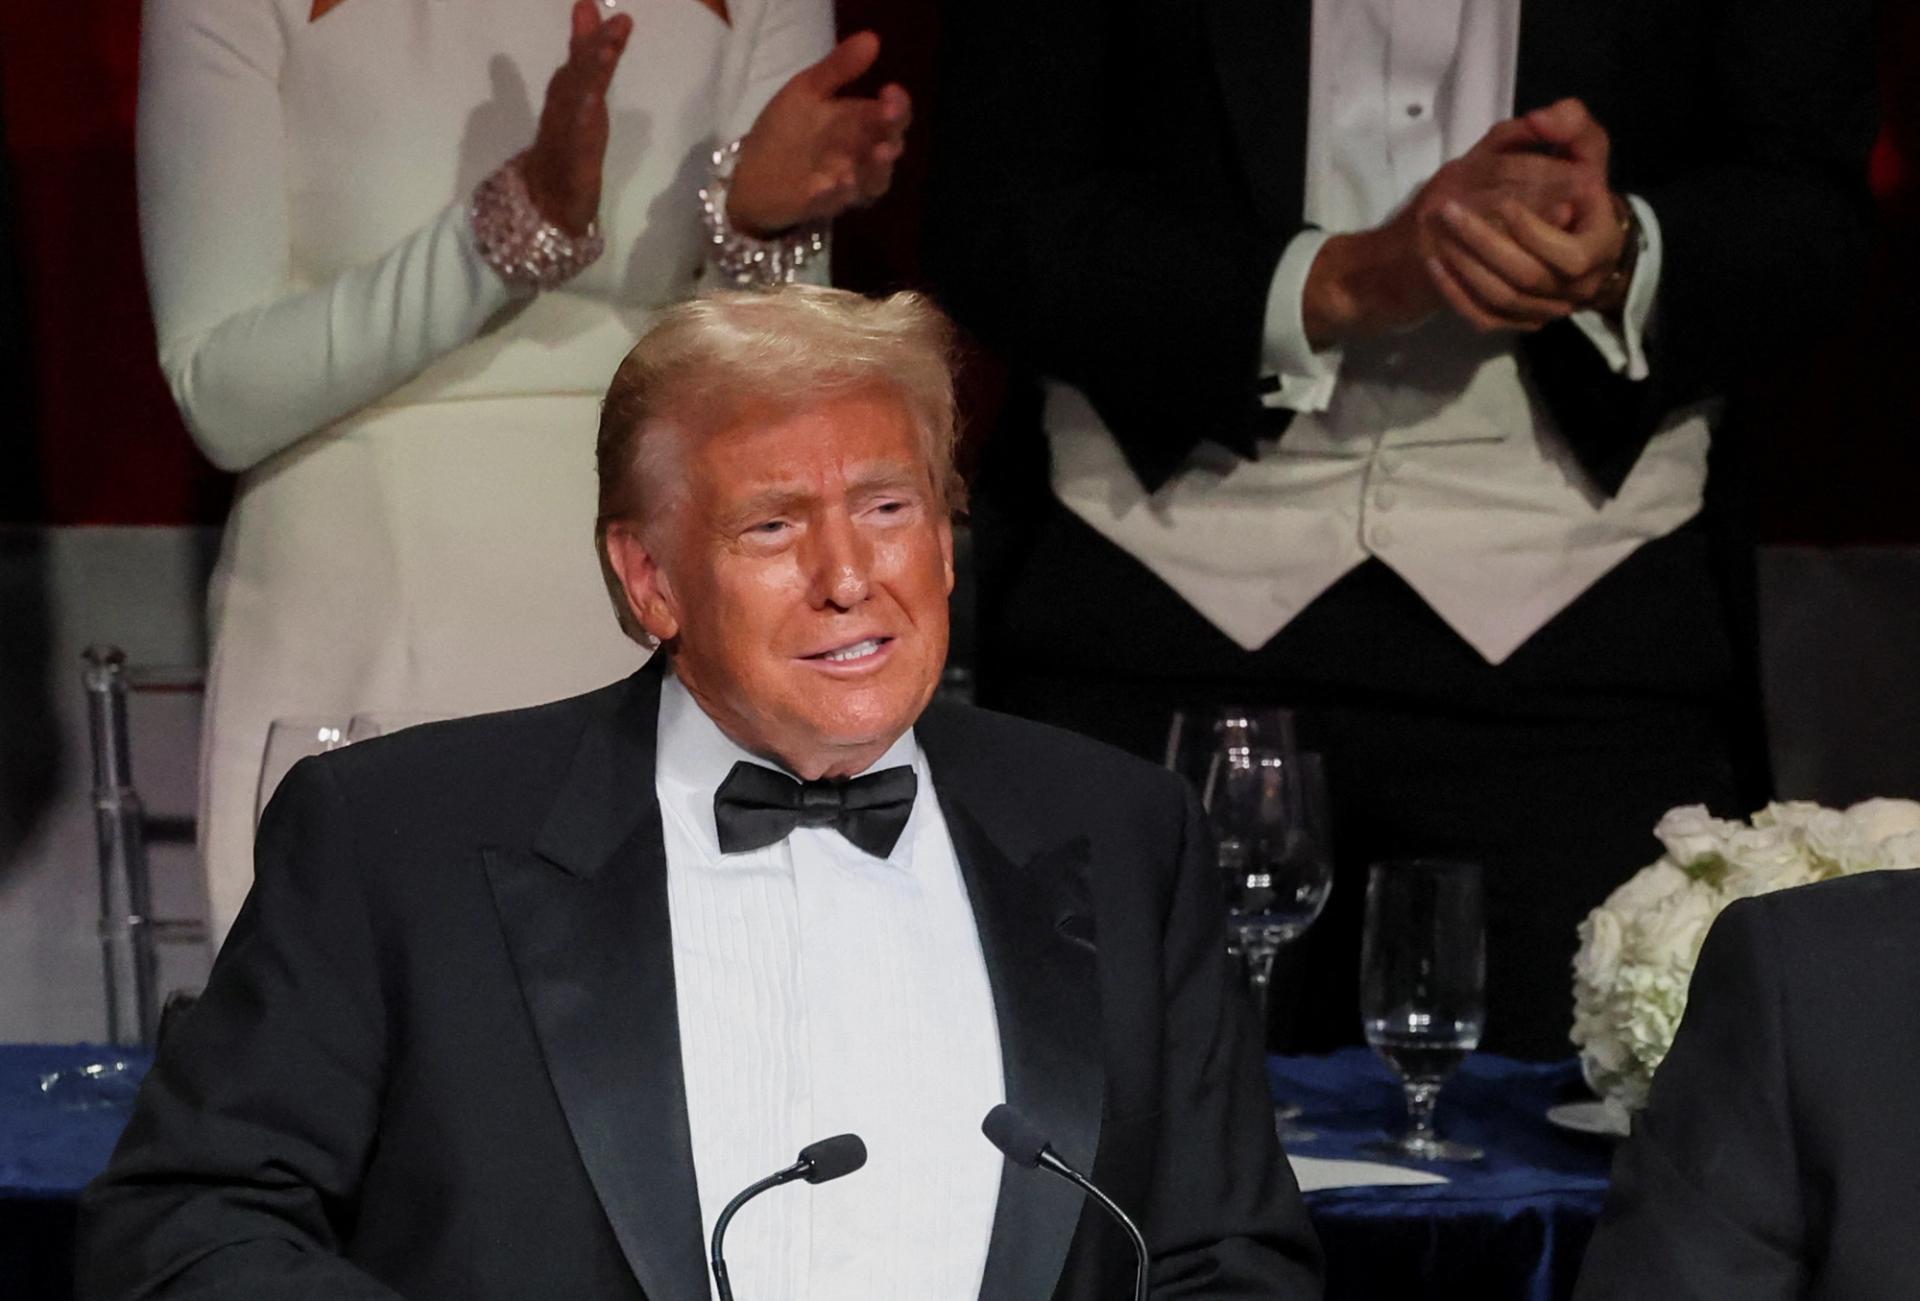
<point>1549,770</point>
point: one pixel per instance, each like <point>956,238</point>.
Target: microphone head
<point>1014,1135</point>
<point>832,1157</point>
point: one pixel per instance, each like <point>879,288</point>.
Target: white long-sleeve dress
<point>414,522</point>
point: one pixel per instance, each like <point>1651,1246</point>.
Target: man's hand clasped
<point>1522,230</point>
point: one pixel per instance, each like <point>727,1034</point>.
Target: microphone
<point>819,1162</point>
<point>1027,1147</point>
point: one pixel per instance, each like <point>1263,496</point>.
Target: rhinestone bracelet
<point>740,259</point>
<point>529,252</point>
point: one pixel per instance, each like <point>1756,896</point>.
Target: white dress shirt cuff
<point>1624,345</point>
<point>1306,377</point>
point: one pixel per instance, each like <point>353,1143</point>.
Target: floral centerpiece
<point>1637,949</point>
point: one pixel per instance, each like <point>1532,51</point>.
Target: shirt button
<point>1387,463</point>
<point>1415,110</point>
<point>1382,537</point>
<point>1384,498</point>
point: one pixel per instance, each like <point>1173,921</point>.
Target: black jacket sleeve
<point>236,1177</point>
<point>1706,1197</point>
<point>1079,226</point>
<point>1765,219</point>
<point>1227,1219</point>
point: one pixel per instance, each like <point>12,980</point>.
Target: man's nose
<point>842,562</point>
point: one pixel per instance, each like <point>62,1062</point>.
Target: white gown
<point>413,528</point>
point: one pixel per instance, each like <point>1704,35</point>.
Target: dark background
<point>89,435</point>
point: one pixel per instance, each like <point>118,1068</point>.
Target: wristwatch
<point>1612,291</point>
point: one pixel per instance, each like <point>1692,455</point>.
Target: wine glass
<point>1423,981</point>
<point>107,1085</point>
<point>289,740</point>
<point>1198,737</point>
<point>1267,806</point>
<point>364,727</point>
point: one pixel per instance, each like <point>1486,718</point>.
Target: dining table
<point>1511,1226</point>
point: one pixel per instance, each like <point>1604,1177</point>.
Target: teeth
<point>857,651</point>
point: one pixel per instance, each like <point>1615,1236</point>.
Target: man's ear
<point>946,550</point>
<point>649,594</point>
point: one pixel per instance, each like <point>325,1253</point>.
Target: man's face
<point>801,573</point>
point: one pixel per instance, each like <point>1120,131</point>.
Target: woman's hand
<point>562,169</point>
<point>811,154</point>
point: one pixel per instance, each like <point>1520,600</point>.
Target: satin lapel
<point>1260,54</point>
<point>1033,919</point>
<point>585,918</point>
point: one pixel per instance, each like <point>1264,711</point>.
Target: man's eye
<point>890,507</point>
<point>768,528</point>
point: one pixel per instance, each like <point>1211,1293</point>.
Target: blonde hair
<point>705,359</point>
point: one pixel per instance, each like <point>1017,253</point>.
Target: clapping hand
<point>1507,265</point>
<point>813,153</point>
<point>1397,275</point>
<point>563,168</point>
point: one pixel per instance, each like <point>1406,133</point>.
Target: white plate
<point>1595,1116</point>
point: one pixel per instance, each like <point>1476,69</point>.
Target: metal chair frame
<point>129,932</point>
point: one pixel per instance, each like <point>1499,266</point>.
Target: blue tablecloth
<point>1512,1227</point>
<point>49,1149</point>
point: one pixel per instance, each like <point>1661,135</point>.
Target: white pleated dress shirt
<point>1427,449</point>
<point>822,991</point>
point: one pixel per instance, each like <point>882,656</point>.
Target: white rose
<point>1835,838</point>
<point>1670,934</point>
<point>1901,851</point>
<point>1879,820</point>
<point>1599,955</point>
<point>1788,814</point>
<point>1690,834</point>
<point>1646,888</point>
<point>1764,859</point>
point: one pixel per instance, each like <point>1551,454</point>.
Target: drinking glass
<point>289,740</point>
<point>1198,738</point>
<point>1267,806</point>
<point>1423,981</point>
<point>364,727</point>
<point>109,1084</point>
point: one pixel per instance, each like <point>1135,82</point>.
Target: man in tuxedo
<point>1779,1157</point>
<point>1369,360</point>
<point>519,1002</point>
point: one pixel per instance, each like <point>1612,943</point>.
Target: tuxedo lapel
<point>586,922</point>
<point>1261,50</point>
<point>1034,916</point>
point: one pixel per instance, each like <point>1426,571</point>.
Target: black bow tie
<point>756,807</point>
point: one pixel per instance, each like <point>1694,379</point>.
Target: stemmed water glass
<point>1266,802</point>
<point>289,740</point>
<point>1423,980</point>
<point>364,727</point>
<point>1199,738</point>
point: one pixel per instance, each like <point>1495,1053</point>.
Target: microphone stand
<point>1050,1161</point>
<point>745,1195</point>
<point>819,1163</point>
<point>1026,1146</point>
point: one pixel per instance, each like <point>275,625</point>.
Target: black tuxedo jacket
<point>1116,180</point>
<point>439,1054</point>
<point>1779,1156</point>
